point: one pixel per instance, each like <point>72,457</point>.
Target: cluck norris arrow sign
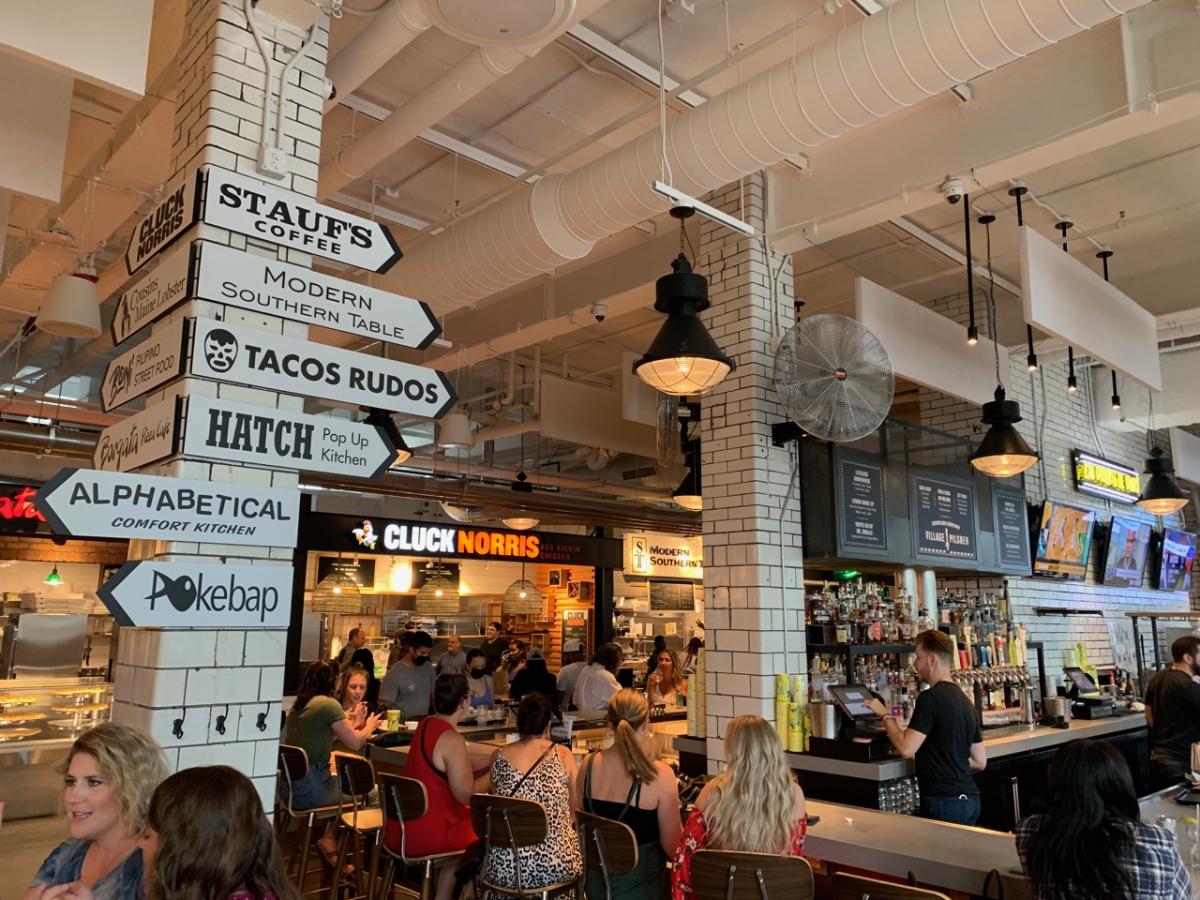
<point>90,503</point>
<point>171,217</point>
<point>252,207</point>
<point>197,594</point>
<point>240,355</point>
<point>239,432</point>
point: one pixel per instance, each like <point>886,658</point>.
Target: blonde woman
<point>626,784</point>
<point>754,804</point>
<point>111,773</point>
<point>666,683</point>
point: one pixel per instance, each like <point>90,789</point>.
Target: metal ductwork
<point>913,50</point>
<point>395,27</point>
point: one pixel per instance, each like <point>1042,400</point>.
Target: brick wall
<point>42,549</point>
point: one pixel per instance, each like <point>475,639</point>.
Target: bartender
<point>942,735</point>
<point>1173,713</point>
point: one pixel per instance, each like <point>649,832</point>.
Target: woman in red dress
<point>438,758</point>
<point>754,804</point>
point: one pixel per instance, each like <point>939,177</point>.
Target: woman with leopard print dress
<point>535,768</point>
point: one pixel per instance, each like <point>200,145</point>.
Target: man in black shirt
<point>1173,714</point>
<point>494,646</point>
<point>943,735</point>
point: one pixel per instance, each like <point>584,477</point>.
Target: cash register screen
<point>1082,680</point>
<point>852,698</point>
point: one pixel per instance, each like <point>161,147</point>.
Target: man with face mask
<point>408,685</point>
<point>943,736</point>
<point>1173,714</point>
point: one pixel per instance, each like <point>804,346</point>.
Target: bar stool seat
<point>402,800</point>
<point>607,846</point>
<point>292,766</point>
<point>509,823</point>
<point>362,821</point>
<point>730,875</point>
<point>857,887</point>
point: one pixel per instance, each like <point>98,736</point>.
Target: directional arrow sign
<point>199,595</point>
<point>255,208</point>
<point>239,432</point>
<point>261,285</point>
<point>152,363</point>
<point>154,294</point>
<point>143,438</point>
<point>240,355</point>
<point>171,217</point>
<point>90,503</point>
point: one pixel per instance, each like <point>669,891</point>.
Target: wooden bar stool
<point>729,875</point>
<point>507,823</point>
<point>403,800</point>
<point>293,766</point>
<point>856,887</point>
<point>358,820</point>
<point>607,846</point>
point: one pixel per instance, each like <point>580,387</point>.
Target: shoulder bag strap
<point>529,771</point>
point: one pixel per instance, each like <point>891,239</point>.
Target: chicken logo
<point>365,534</point>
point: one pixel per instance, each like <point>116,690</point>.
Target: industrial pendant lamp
<point>53,578</point>
<point>688,494</point>
<point>454,431</point>
<point>683,359</point>
<point>1017,191</point>
<point>521,521</point>
<point>381,418</point>
<point>1002,453</point>
<point>71,308</point>
<point>1161,495</point>
<point>522,597</point>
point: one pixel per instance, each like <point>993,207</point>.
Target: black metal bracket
<point>785,432</point>
<point>1062,611</point>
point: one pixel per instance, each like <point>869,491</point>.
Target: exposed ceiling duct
<point>913,50</point>
<point>395,27</point>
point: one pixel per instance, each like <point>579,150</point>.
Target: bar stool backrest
<point>402,800</point>
<point>293,766</point>
<point>508,823</point>
<point>607,845</point>
<point>356,776</point>
<point>730,875</point>
<point>856,887</point>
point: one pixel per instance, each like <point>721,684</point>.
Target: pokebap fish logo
<point>365,535</point>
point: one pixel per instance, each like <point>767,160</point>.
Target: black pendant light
<point>972,329</point>
<point>1103,256</point>
<point>1002,453</point>
<point>683,359</point>
<point>688,494</point>
<point>1161,495</point>
<point>1017,191</point>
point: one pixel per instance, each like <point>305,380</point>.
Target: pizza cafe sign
<point>17,509</point>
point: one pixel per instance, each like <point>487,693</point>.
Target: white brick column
<point>223,688</point>
<point>753,593</point>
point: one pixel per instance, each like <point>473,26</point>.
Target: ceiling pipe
<point>483,67</point>
<point>913,50</point>
<point>396,26</point>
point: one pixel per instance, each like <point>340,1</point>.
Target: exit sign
<point>1105,478</point>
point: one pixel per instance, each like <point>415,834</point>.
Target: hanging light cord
<point>665,165</point>
<point>991,294</point>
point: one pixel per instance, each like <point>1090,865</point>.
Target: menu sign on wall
<point>360,571</point>
<point>862,517</point>
<point>90,503</point>
<point>943,518</point>
<point>1011,523</point>
<point>672,596</point>
<point>150,364</point>
<point>198,594</point>
<point>141,439</point>
<point>154,294</point>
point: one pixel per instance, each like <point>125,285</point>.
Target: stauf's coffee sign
<point>88,503</point>
<point>199,595</point>
<point>240,355</point>
<point>424,539</point>
<point>252,207</point>
<point>238,432</point>
<point>149,365</point>
<point>174,213</point>
<point>141,439</point>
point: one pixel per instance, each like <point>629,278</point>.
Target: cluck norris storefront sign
<point>322,531</point>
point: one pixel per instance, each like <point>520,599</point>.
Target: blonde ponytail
<point>627,711</point>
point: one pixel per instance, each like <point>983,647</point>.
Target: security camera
<point>600,310</point>
<point>952,188</point>
<point>329,89</point>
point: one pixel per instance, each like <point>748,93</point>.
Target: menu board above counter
<point>943,518</point>
<point>1011,522</point>
<point>862,523</point>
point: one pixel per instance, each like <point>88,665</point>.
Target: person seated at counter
<point>1173,714</point>
<point>573,663</point>
<point>625,783</point>
<point>943,736</point>
<point>408,685</point>
<point>534,678</point>
<point>483,692</point>
<point>493,646</point>
<point>666,683</point>
<point>111,773</point>
<point>754,804</point>
<point>356,653</point>
<point>1090,842</point>
<point>439,760</point>
<point>454,660</point>
<point>598,682</point>
<point>352,693</point>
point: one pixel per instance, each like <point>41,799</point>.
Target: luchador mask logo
<point>220,350</point>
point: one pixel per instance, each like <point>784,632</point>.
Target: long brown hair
<point>213,839</point>
<point>627,712</point>
<point>319,680</point>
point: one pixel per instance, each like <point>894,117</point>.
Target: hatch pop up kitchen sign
<point>1105,478</point>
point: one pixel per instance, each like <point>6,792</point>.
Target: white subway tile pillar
<point>213,696</point>
<point>753,568</point>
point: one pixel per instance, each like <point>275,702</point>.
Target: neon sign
<point>19,506</point>
<point>1105,478</point>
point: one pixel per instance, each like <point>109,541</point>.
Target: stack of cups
<point>782,701</point>
<point>698,699</point>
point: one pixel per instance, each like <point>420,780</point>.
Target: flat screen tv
<point>1128,548</point>
<point>1178,554</point>
<point>1064,541</point>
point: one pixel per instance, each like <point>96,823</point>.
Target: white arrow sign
<point>239,432</point>
<point>240,355</point>
<point>141,439</point>
<point>261,285</point>
<point>154,294</point>
<point>89,503</point>
<point>171,217</point>
<point>252,207</point>
<point>152,363</point>
<point>199,595</point>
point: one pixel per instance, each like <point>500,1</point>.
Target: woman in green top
<point>313,723</point>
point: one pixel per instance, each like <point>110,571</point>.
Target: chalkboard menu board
<point>361,571</point>
<point>1012,529</point>
<point>862,519</point>
<point>672,595</point>
<point>943,515</point>
<point>434,568</point>
<point>575,627</point>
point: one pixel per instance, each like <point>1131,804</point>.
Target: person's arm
<point>905,741</point>
<point>670,826</point>
<point>351,737</point>
<point>456,762</point>
<point>978,759</point>
<point>567,758</point>
<point>1149,717</point>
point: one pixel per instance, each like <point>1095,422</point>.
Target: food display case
<point>39,719</point>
